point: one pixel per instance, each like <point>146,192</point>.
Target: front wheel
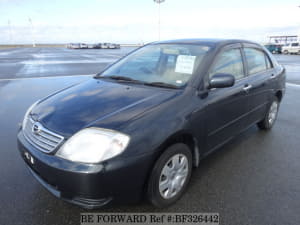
<point>170,175</point>
<point>271,116</point>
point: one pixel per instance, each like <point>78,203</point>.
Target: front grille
<point>40,137</point>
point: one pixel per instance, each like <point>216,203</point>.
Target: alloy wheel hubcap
<point>173,176</point>
<point>273,112</point>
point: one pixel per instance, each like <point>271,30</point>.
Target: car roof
<point>205,41</point>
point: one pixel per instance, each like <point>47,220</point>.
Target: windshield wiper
<point>161,84</point>
<point>121,78</point>
<point>128,79</point>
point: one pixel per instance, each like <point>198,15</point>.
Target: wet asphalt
<point>253,180</point>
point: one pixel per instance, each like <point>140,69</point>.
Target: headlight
<point>28,112</point>
<point>93,145</point>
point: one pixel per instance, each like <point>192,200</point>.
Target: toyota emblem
<point>36,128</point>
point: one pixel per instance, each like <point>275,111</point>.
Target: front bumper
<point>88,185</point>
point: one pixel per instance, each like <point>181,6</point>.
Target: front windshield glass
<point>172,64</point>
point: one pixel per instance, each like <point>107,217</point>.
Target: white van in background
<point>291,48</point>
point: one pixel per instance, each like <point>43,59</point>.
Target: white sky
<point>135,21</point>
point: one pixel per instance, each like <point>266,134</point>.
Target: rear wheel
<point>285,52</point>
<point>271,116</point>
<point>170,175</point>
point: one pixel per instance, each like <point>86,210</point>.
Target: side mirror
<point>221,80</point>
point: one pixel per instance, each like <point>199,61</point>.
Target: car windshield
<point>169,64</point>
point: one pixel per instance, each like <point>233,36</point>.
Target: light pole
<point>159,2</point>
<point>31,25</point>
<point>10,32</point>
<point>299,30</point>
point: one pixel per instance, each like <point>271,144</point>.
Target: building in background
<point>284,39</point>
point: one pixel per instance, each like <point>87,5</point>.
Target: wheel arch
<point>185,138</point>
<point>279,95</point>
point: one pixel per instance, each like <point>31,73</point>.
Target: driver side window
<point>229,62</point>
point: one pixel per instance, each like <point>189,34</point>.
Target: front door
<point>226,108</point>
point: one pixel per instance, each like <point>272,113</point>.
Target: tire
<point>285,52</point>
<point>270,117</point>
<point>167,183</point>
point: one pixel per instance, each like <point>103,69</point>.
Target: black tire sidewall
<point>265,124</point>
<point>153,193</point>
<point>267,117</point>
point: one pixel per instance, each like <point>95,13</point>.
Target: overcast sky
<point>135,21</point>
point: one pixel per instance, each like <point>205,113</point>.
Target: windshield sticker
<point>185,64</point>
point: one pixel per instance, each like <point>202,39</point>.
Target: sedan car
<point>91,46</point>
<point>83,46</point>
<point>74,46</point>
<point>140,127</point>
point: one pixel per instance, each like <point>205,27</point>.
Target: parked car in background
<point>111,46</point>
<point>291,48</point>
<point>83,45</point>
<point>274,48</point>
<point>91,46</point>
<point>74,46</point>
<point>140,127</point>
<point>114,46</point>
<point>77,46</point>
<point>98,46</point>
<point>106,45</point>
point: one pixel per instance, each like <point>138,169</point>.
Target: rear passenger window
<point>230,62</point>
<point>256,60</point>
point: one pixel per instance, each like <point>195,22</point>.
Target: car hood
<point>97,103</point>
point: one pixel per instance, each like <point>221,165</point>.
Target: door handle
<point>247,87</point>
<point>272,76</point>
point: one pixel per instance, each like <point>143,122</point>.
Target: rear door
<point>260,73</point>
<point>226,107</point>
